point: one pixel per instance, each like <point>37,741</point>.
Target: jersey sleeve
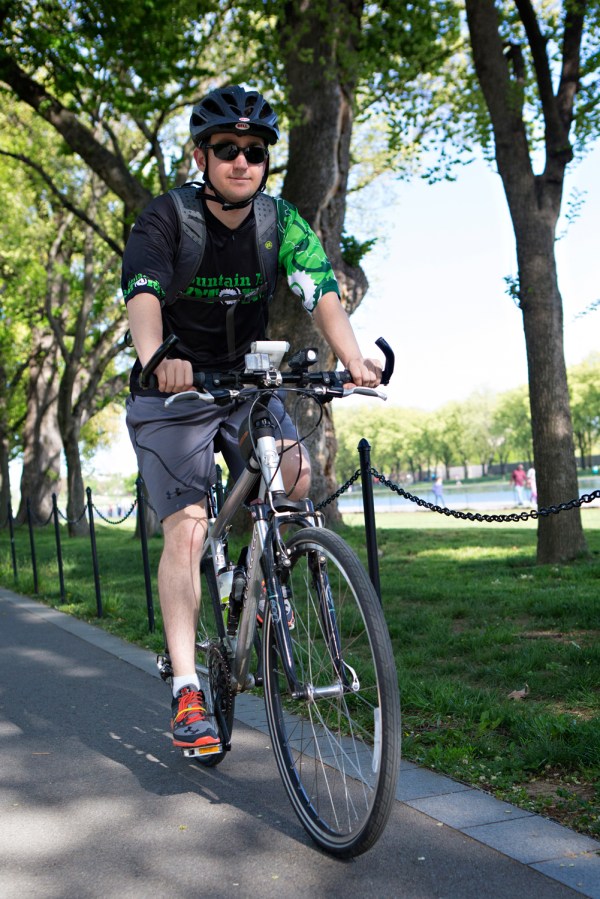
<point>302,257</point>
<point>151,250</point>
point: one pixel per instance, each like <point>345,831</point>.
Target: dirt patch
<point>549,789</point>
<point>580,637</point>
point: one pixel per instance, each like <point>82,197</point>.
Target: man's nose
<point>240,161</point>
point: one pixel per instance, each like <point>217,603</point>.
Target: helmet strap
<point>216,197</point>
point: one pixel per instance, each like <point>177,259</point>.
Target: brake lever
<point>216,396</point>
<point>187,395</point>
<point>365,391</point>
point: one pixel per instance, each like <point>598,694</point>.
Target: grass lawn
<point>498,658</point>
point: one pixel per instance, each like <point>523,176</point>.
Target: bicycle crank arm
<point>223,729</point>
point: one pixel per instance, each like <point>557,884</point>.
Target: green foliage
<point>485,428</point>
<point>584,384</point>
<point>354,250</point>
<point>118,53</point>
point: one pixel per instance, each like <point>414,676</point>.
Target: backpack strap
<point>267,240</point>
<point>191,216</point>
<point>190,210</point>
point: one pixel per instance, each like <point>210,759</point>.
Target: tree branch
<point>78,137</point>
<point>558,148</point>
<point>571,62</point>
<point>503,96</point>
<point>64,200</point>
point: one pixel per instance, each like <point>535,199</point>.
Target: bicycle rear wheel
<point>338,748</point>
<point>213,667</point>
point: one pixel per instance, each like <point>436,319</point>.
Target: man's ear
<point>200,158</point>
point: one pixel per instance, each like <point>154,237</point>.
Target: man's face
<point>235,180</point>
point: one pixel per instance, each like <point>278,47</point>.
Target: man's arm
<point>332,321</point>
<point>145,324</point>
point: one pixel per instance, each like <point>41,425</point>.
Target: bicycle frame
<point>265,534</point>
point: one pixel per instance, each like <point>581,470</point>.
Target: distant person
<point>438,491</point>
<point>532,486</point>
<point>518,479</point>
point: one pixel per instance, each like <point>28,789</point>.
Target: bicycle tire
<point>338,756</point>
<point>213,666</point>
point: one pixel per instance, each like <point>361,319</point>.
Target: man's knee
<point>296,471</point>
<point>185,530</point>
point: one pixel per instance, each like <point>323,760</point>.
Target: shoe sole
<point>203,743</point>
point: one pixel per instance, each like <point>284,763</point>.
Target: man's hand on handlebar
<point>365,372</point>
<point>174,375</point>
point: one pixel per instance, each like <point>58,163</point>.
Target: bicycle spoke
<point>337,751</point>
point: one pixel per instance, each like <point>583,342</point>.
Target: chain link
<point>339,492</point>
<point>71,520</point>
<point>100,514</point>
<point>41,524</point>
<point>118,520</point>
<point>492,519</point>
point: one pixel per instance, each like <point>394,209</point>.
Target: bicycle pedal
<point>196,751</point>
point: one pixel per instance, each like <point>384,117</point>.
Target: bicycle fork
<point>300,690</point>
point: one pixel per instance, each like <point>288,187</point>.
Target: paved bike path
<point>94,801</point>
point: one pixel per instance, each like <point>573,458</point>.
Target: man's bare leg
<point>179,584</point>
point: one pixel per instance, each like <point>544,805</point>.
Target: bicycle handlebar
<point>219,385</point>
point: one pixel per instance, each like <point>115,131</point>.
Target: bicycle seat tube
<point>266,456</point>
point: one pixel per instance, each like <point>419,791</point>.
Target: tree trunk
<point>42,443</point>
<point>560,537</point>
<point>77,500</point>
<point>4,453</point>
<point>4,481</point>
<point>534,203</point>
<point>317,39</point>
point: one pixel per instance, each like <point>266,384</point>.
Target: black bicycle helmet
<point>236,110</point>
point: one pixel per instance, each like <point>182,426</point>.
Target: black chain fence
<point>366,472</point>
<point>456,513</point>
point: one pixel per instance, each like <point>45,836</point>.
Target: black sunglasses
<point>255,155</point>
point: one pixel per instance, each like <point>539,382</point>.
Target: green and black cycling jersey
<point>225,307</point>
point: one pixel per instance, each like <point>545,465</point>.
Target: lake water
<point>474,497</point>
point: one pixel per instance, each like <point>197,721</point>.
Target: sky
<point>437,291</point>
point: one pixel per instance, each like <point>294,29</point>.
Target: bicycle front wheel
<point>338,746</point>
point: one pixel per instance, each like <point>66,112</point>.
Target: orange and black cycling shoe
<point>190,724</point>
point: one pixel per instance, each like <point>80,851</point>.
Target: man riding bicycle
<point>216,316</point>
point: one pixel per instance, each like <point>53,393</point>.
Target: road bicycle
<point>322,655</point>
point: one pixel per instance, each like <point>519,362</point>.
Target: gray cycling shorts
<point>175,446</point>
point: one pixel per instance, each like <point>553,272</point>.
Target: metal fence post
<point>90,508</point>
<point>364,452</point>
<point>146,562</point>
<point>13,550</point>
<point>32,547</point>
<point>61,577</point>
